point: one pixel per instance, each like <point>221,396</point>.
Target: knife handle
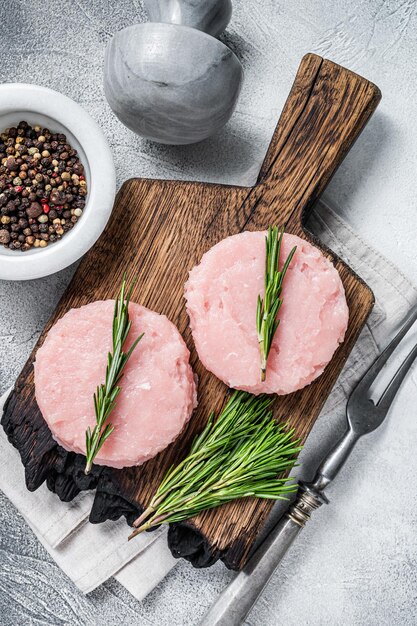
<point>234,604</point>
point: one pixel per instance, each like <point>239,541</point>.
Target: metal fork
<point>363,416</point>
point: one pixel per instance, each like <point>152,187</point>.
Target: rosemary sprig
<point>238,456</point>
<point>268,308</point>
<point>106,394</point>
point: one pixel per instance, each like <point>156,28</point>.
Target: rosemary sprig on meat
<point>268,307</point>
<point>106,394</point>
<point>243,453</point>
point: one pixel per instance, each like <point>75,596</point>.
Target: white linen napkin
<point>140,565</point>
<point>147,570</point>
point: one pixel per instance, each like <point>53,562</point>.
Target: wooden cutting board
<point>158,231</point>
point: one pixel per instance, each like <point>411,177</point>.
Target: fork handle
<point>236,601</point>
<point>333,463</point>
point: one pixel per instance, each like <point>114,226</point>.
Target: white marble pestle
<point>210,16</point>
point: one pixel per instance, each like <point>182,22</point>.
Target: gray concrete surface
<point>342,571</point>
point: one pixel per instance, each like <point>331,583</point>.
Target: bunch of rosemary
<point>106,394</point>
<point>236,456</point>
<point>268,307</point>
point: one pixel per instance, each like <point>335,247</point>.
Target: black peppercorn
<point>4,236</point>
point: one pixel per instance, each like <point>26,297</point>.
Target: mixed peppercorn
<point>42,187</point>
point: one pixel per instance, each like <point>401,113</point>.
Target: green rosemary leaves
<point>106,394</point>
<point>237,456</point>
<point>268,308</point>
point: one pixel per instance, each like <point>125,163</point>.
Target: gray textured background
<point>338,573</point>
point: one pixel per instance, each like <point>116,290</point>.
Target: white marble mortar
<point>39,105</point>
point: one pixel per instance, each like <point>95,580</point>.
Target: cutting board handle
<point>326,110</point>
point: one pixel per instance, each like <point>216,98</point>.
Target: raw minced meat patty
<point>221,296</point>
<point>158,389</point>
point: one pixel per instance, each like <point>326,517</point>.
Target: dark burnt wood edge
<point>110,505</point>
<point>62,470</point>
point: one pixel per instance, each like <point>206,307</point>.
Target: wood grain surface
<point>158,231</point>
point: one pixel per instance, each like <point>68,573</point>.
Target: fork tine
<point>390,392</point>
<point>367,380</point>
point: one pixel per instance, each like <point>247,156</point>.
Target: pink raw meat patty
<point>221,296</point>
<point>158,389</point>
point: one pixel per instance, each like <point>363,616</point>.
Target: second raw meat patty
<point>158,389</point>
<point>221,296</point>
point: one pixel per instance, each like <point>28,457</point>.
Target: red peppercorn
<point>82,177</point>
<point>44,201</point>
<point>46,208</point>
<point>55,175</point>
<point>18,189</point>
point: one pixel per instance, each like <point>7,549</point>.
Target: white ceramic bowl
<point>50,109</point>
